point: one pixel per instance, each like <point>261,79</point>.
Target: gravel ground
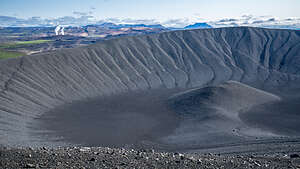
<point>85,157</point>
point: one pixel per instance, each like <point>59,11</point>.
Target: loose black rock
<point>30,165</point>
<point>294,156</point>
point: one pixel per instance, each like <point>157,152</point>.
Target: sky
<point>160,11</point>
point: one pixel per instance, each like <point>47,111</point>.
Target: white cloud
<point>258,21</point>
<point>80,13</point>
<point>84,18</point>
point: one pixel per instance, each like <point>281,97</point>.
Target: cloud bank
<point>258,21</point>
<point>86,18</point>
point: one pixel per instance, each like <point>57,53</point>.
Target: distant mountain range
<point>103,30</point>
<point>198,26</point>
<point>111,25</point>
<point>118,26</point>
<point>171,24</point>
<point>8,21</point>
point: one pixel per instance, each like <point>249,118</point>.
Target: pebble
<point>92,159</point>
<point>257,163</point>
<point>29,165</point>
<point>84,149</point>
<point>294,156</point>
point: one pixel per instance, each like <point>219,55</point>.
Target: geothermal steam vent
<point>181,90</point>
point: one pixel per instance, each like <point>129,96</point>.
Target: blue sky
<point>150,9</point>
<point>170,13</point>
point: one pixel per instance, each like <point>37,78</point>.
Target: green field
<point>9,54</point>
<point>31,42</point>
<point>21,43</point>
<point>4,47</point>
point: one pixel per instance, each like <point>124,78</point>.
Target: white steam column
<point>62,31</point>
<point>59,30</point>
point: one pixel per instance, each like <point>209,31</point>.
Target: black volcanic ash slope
<point>33,85</point>
<point>210,115</point>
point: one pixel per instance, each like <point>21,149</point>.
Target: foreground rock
<point>122,158</point>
